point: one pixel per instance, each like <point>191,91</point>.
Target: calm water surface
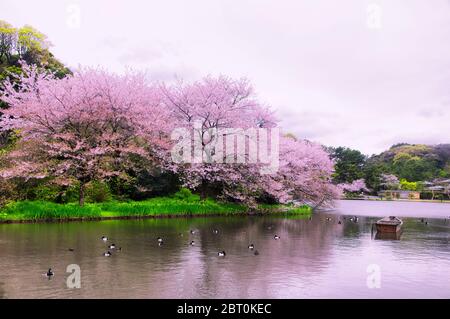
<point>313,259</point>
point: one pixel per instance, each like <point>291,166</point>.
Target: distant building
<point>438,188</point>
<point>399,194</point>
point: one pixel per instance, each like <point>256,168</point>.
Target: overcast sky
<point>359,73</point>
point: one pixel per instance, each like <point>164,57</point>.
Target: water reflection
<point>391,236</point>
<point>313,258</point>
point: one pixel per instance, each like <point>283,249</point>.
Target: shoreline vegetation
<point>438,201</point>
<point>159,207</point>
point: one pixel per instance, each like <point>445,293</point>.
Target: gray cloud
<point>140,56</point>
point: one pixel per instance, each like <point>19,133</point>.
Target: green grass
<point>168,206</point>
<point>288,209</point>
<point>161,206</point>
<point>36,210</point>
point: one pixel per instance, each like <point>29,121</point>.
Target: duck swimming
<point>276,237</point>
<point>107,254</point>
<point>251,246</point>
<point>112,246</point>
<point>50,273</point>
<point>160,240</point>
<point>192,243</point>
<point>221,254</point>
<point>215,231</point>
<point>192,232</point>
<point>104,238</point>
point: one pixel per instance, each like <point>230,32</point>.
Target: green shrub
<point>186,195</point>
<point>408,186</point>
<point>55,193</point>
<point>47,193</point>
<point>97,192</point>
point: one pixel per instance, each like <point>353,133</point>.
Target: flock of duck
<point>219,253</point>
<point>353,219</point>
<point>113,248</point>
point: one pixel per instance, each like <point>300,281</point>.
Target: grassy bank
<point>155,207</point>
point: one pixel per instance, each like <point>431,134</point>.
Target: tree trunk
<point>81,194</point>
<point>203,191</point>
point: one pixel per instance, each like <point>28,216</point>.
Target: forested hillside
<point>415,162</point>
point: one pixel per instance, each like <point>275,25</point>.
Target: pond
<point>314,258</point>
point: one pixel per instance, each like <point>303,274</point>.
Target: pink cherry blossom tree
<point>93,125</point>
<point>304,174</point>
<point>87,126</point>
<point>354,187</point>
<point>206,108</point>
<point>215,104</point>
<point>390,181</point>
